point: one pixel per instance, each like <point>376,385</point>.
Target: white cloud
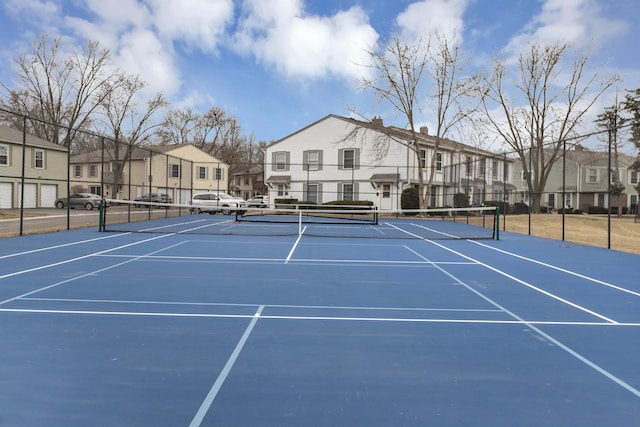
<point>198,23</point>
<point>141,53</point>
<point>298,45</point>
<point>577,22</point>
<point>36,10</point>
<point>423,18</point>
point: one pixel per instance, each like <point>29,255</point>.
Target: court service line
<point>208,400</point>
<point>554,267</point>
<point>169,258</point>
<point>514,278</point>
<point>539,331</point>
<point>515,321</point>
<point>225,304</point>
<point>64,245</point>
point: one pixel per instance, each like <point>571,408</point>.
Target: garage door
<point>5,195</point>
<point>48,195</point>
<point>29,195</point>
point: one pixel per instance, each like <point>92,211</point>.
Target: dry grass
<point>584,229</point>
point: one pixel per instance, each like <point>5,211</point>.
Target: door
<point>29,195</point>
<point>386,199</point>
<point>5,195</point>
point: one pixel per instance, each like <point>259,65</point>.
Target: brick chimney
<point>377,121</point>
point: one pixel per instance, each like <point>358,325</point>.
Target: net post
<point>101,216</point>
<point>497,223</point>
<point>299,222</point>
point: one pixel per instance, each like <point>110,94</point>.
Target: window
<point>433,199</point>
<point>77,171</point>
<point>634,177</point>
<point>552,201</point>
<point>494,169</point>
<point>469,165</point>
<point>347,192</point>
<point>349,158</point>
<point>38,159</point>
<point>282,190</point>
<point>202,172</point>
<point>423,159</point>
<point>4,155</point>
<point>95,189</point>
<point>280,161</point>
<point>312,160</point>
<point>438,161</point>
<point>483,166</point>
<point>386,191</point>
<point>593,175</point>
<point>174,170</point>
<point>601,200</point>
<point>219,174</point>
<point>614,176</point>
<point>93,173</point>
<point>505,174</point>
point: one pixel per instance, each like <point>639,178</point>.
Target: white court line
<point>295,245</point>
<point>573,273</point>
<point>515,279</point>
<point>166,258</point>
<point>83,275</point>
<point>531,325</point>
<point>64,245</point>
<point>515,321</point>
<point>208,400</point>
<point>42,267</point>
<point>221,304</point>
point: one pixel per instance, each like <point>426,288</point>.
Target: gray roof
<point>14,136</point>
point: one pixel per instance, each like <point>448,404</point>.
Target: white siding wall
<point>328,136</point>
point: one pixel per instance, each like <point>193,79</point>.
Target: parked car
<point>217,202</point>
<point>86,201</point>
<point>258,202</point>
<point>154,198</point>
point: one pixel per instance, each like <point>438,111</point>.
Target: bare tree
<point>126,123</point>
<point>61,92</point>
<point>399,80</point>
<point>396,78</point>
<point>548,108</point>
<point>213,132</point>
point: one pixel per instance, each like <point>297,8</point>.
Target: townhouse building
<point>33,171</point>
<point>584,176</point>
<point>179,170</point>
<point>340,158</point>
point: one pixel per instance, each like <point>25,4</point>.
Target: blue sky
<point>279,65</point>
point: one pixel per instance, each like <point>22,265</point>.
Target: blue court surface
<point>180,329</point>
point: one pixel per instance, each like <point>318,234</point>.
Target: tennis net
<point>318,221</point>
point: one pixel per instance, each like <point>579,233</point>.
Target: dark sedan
<point>154,198</point>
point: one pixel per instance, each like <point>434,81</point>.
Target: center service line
<point>206,404</point>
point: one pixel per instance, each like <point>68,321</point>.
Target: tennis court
<point>173,327</point>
